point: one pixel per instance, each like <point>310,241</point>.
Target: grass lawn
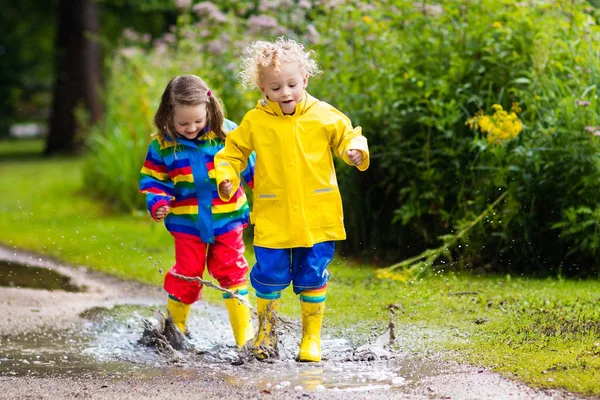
<point>543,332</point>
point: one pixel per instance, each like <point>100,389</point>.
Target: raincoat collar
<point>273,108</point>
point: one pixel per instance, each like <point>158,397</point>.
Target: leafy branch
<point>429,256</point>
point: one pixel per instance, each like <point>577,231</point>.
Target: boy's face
<point>285,87</point>
<point>189,121</point>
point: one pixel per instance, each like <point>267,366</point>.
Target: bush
<point>412,74</point>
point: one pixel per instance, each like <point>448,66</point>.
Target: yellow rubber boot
<point>179,312</point>
<point>310,345</point>
<point>240,319</point>
<point>266,341</point>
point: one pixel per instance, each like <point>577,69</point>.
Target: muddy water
<point>102,339</point>
<point>108,341</point>
<point>27,276</point>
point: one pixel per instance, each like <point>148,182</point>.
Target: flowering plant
<point>501,126</point>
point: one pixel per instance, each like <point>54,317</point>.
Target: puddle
<point>106,339</point>
<point>26,276</point>
<point>108,342</point>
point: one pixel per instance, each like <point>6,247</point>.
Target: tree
<point>77,76</point>
<point>26,54</point>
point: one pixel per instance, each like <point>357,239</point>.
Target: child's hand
<point>355,156</point>
<point>162,212</point>
<point>225,188</point>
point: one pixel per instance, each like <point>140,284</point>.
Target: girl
<point>297,209</point>
<point>178,180</point>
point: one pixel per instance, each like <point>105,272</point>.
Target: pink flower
<point>333,3</point>
<point>183,4</point>
<point>169,38</point>
<point>130,34</point>
<point>216,46</point>
<point>594,130</point>
<point>266,5</point>
<point>205,8</point>
<point>312,34</point>
<point>430,9</point>
<point>129,52</point>
<point>258,23</point>
<point>160,47</point>
<point>582,103</point>
<point>219,16</point>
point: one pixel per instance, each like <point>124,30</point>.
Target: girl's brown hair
<point>188,90</point>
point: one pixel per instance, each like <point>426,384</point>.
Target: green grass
<point>543,332</point>
<point>20,148</point>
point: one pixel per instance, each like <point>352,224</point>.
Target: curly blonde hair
<point>261,55</point>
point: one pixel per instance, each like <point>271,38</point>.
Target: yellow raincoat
<point>296,201</point>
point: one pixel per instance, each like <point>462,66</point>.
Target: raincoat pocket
<point>324,208</point>
<point>269,214</point>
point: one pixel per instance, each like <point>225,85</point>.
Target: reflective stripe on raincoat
<point>296,199</point>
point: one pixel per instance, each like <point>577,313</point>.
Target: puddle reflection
<point>25,276</point>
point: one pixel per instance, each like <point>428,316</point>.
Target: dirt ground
<point>26,311</point>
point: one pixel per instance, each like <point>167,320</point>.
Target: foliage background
<point>411,74</point>
<point>27,49</point>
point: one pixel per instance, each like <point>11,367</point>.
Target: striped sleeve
<point>155,181</point>
<point>232,159</point>
<point>248,173</point>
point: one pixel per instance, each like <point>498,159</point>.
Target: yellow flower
<point>501,126</point>
<point>367,19</point>
<point>497,24</point>
<point>394,276</point>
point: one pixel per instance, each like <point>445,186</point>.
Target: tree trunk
<point>78,75</point>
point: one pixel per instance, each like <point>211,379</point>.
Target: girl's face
<point>189,121</point>
<point>285,87</point>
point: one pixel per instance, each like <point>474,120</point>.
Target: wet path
<point>58,339</point>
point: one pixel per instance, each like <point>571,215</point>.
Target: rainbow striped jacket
<point>182,176</point>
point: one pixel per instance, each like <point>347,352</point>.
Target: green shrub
<point>412,74</point>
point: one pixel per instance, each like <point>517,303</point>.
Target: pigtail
<point>163,118</point>
<point>216,115</point>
